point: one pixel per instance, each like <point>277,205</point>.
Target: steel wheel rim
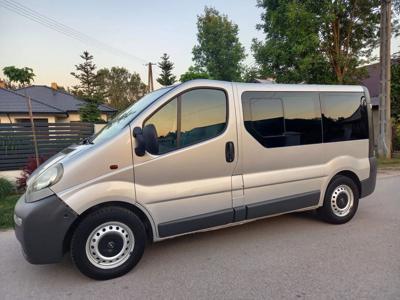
<point>109,232</point>
<point>341,192</point>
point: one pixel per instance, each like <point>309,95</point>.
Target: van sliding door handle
<point>229,152</point>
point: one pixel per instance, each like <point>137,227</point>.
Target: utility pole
<point>385,124</point>
<point>150,86</point>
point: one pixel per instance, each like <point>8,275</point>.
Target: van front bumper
<point>41,227</point>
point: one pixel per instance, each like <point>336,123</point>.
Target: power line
<point>52,24</point>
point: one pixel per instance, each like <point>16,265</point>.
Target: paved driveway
<point>291,257</point>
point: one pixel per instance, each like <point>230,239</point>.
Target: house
<point>49,104</point>
<point>14,109</point>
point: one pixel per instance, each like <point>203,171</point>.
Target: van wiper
<point>86,141</point>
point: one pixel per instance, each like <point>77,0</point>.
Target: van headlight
<point>48,178</point>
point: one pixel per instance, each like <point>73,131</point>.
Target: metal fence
<point>16,141</point>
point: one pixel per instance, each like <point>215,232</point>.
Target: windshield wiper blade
<point>86,141</point>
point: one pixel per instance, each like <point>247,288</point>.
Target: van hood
<point>67,152</point>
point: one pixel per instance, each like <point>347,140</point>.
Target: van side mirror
<point>150,138</point>
<point>140,149</point>
<point>146,140</point>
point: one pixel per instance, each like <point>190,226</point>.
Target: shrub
<point>6,188</point>
<point>396,137</point>
<point>27,171</point>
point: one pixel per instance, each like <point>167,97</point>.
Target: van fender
<point>81,198</point>
<point>360,167</point>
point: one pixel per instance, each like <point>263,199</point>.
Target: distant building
<point>372,82</point>
<point>49,104</point>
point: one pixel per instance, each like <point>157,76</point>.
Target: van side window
<point>344,116</point>
<point>282,119</point>
<point>203,115</point>
<point>165,122</point>
<point>192,117</point>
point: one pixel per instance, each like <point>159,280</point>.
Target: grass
<point>393,164</point>
<point>7,205</point>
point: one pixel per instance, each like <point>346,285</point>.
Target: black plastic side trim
<point>281,205</point>
<point>189,224</point>
<point>240,213</point>
<point>368,185</point>
<point>44,226</point>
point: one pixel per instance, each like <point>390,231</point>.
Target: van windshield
<point>125,117</point>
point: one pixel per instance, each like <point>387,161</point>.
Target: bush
<point>27,171</point>
<point>396,137</point>
<point>6,188</point>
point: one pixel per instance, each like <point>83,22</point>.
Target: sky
<point>144,29</point>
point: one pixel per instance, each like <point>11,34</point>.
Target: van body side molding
<point>194,223</point>
<point>284,204</point>
<point>230,215</point>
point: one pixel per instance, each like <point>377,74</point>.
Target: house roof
<point>12,102</point>
<point>59,99</point>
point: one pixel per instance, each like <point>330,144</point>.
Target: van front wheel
<point>108,243</point>
<point>341,200</point>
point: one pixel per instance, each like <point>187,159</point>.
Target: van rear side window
<point>282,119</point>
<point>344,116</point>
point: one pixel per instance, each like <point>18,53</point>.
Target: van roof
<point>290,87</point>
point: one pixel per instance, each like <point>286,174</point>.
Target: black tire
<point>330,211</point>
<point>95,220</point>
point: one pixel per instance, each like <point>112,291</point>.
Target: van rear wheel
<point>341,201</point>
<point>108,243</point>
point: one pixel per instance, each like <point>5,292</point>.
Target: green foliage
<point>250,74</point>
<point>7,205</point>
<point>166,77</point>
<point>86,75</point>
<point>396,136</point>
<point>87,89</point>
<point>22,76</point>
<point>395,91</point>
<point>90,112</point>
<point>219,51</point>
<point>119,87</point>
<point>194,73</point>
<point>316,41</point>
<point>6,188</point>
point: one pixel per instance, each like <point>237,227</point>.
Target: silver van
<point>199,155</point>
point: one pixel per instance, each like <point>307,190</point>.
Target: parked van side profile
<point>196,156</point>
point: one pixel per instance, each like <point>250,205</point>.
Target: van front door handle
<point>229,152</point>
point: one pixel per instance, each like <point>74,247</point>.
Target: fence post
<point>33,131</point>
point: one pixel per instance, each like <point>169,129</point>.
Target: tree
<point>194,73</point>
<point>119,87</point>
<point>86,75</point>
<point>21,76</point>
<point>219,51</point>
<point>250,73</point>
<point>87,88</point>
<point>317,41</point>
<point>166,77</point>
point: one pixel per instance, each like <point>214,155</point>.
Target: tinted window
<point>190,118</point>
<point>279,119</point>
<point>344,116</point>
<point>267,116</point>
<point>165,121</point>
<point>302,118</point>
<point>203,115</point>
